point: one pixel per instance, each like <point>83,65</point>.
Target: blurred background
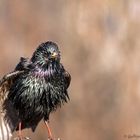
<point>100,46</point>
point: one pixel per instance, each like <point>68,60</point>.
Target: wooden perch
<point>5,131</point>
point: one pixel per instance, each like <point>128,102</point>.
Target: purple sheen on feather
<point>41,73</point>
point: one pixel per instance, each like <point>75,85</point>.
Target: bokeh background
<point>100,45</point>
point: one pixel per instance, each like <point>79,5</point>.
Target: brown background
<point>100,45</point>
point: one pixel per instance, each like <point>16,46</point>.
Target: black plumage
<point>36,87</point>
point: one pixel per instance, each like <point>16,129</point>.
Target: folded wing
<point>8,116</point>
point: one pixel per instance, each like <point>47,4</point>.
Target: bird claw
<point>22,138</point>
<point>27,138</point>
<point>50,139</point>
<point>53,139</point>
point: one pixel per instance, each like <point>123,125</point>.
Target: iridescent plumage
<point>38,88</point>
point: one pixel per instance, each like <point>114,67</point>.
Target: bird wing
<point>67,77</point>
<point>8,115</point>
<point>5,84</point>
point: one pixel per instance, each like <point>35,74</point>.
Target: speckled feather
<point>40,88</point>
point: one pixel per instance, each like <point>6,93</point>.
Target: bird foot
<point>50,139</point>
<point>53,139</point>
<point>22,138</point>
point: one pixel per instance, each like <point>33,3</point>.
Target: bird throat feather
<point>47,70</point>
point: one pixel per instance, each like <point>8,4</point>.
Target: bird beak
<point>54,55</point>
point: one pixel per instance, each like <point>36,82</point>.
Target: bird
<point>34,89</point>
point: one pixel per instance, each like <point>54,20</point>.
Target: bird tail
<point>5,129</point>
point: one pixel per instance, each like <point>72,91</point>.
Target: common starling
<point>37,87</point>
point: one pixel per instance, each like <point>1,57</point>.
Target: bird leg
<point>19,131</point>
<point>20,137</point>
<point>49,130</point>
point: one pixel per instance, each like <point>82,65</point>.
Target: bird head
<point>45,53</point>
